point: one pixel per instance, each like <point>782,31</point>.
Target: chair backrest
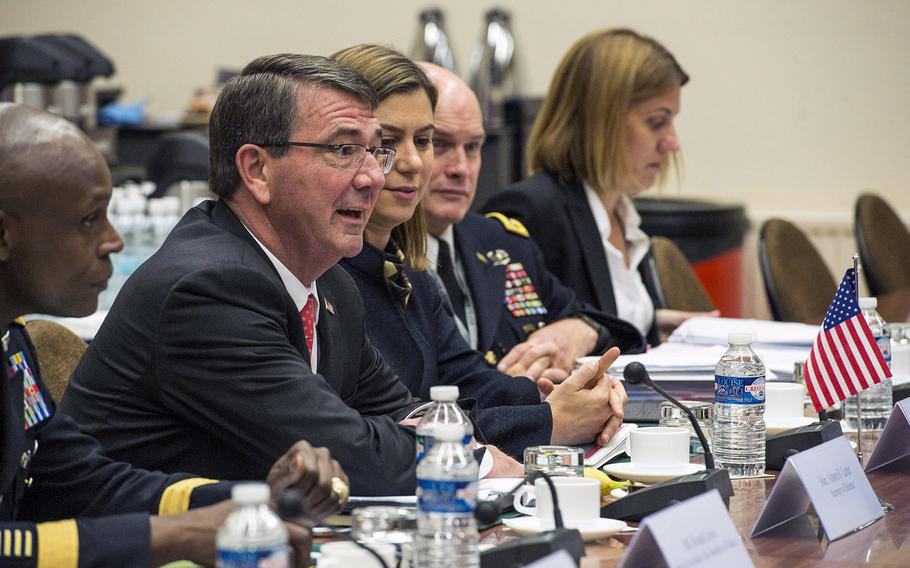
<point>59,351</point>
<point>677,285</point>
<point>798,283</point>
<point>884,245</point>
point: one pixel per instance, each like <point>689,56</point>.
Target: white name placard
<point>697,533</point>
<point>894,442</point>
<point>830,477</point>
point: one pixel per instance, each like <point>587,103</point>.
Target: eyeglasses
<point>348,156</point>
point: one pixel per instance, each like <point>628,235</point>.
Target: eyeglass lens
<point>352,155</point>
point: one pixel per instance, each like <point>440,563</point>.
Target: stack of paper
<point>672,361</point>
<point>714,331</point>
<point>684,365</point>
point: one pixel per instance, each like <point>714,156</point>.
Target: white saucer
<point>650,474</point>
<point>592,530</point>
<point>776,425</point>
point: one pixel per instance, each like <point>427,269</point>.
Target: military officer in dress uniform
<point>506,303</point>
<point>62,503</point>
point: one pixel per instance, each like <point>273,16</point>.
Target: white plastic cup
<point>784,399</point>
<point>663,446</point>
<point>579,501</point>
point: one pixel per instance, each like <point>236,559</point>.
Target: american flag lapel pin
<point>329,307</point>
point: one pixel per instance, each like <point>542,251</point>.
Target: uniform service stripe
<point>58,544</point>
<point>176,497</point>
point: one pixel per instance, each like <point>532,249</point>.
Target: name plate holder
<point>697,533</point>
<point>894,442</point>
<point>830,478</point>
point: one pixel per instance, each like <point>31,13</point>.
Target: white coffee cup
<point>663,446</point>
<point>342,554</point>
<point>784,399</point>
<point>900,360</point>
<point>579,501</point>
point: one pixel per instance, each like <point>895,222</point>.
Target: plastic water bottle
<point>446,498</point>
<point>252,536</point>
<point>739,409</point>
<point>445,410</point>
<point>877,399</point>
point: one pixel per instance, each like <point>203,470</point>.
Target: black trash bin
<point>710,235</point>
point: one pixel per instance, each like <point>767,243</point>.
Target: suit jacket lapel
<point>224,217</point>
<point>486,282</point>
<point>591,246</point>
<point>325,330</point>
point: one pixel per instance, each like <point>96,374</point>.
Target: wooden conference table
<point>796,544</point>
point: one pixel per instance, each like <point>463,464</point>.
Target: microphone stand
<point>524,550</point>
<point>655,497</point>
<point>635,373</point>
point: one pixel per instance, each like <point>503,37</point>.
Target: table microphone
<point>635,374</point>
<point>488,510</point>
<point>652,498</point>
<point>524,550</point>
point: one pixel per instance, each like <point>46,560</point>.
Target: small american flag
<point>844,359</point>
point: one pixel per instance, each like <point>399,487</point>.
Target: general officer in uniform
<point>62,502</point>
<point>507,304</point>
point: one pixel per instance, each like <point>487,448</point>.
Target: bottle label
<point>884,344</point>
<point>272,557</point>
<point>739,390</point>
<point>438,496</point>
<point>424,443</point>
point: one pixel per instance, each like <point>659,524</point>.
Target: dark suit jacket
<point>498,328</point>
<point>559,219</point>
<point>201,365</point>
<point>50,471</point>
<point>422,345</point>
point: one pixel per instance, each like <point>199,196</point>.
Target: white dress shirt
<point>298,291</point>
<point>633,303</point>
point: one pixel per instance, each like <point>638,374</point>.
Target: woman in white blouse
<point>604,134</point>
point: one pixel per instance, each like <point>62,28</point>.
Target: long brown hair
<point>577,135</point>
<point>391,73</point>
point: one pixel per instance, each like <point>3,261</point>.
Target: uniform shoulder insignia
<point>511,225</point>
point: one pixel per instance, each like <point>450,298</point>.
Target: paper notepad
<point>596,456</point>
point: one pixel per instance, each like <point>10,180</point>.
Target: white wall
<point>794,105</point>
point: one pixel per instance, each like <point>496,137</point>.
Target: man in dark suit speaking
<point>240,335</point>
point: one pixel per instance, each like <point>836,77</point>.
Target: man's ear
<point>5,244</point>
<point>253,166</point>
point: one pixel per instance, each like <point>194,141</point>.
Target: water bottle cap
<point>448,432</point>
<point>250,493</point>
<point>741,338</point>
<point>444,393</point>
<point>868,303</point>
